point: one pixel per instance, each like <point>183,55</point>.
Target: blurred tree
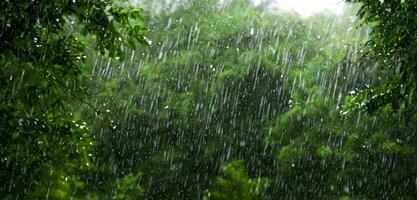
<point>237,185</point>
<point>128,188</point>
<point>224,82</point>
<point>323,153</point>
<point>203,94</point>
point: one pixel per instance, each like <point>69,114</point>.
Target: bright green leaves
<point>116,28</point>
<point>237,185</point>
<point>372,99</point>
<point>128,188</point>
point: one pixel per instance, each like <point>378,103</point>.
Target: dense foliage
<point>393,46</point>
<point>230,101</point>
<point>43,148</point>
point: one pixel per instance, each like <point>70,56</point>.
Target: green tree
<point>43,148</point>
<point>128,188</point>
<point>200,85</point>
<point>203,94</point>
<point>237,185</point>
<point>323,153</point>
<point>392,44</point>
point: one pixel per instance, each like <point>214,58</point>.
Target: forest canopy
<point>211,100</point>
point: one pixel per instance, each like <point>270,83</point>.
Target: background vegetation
<point>219,101</point>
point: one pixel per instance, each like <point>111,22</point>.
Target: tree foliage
<point>237,185</point>
<point>43,147</point>
<point>392,44</point>
<point>230,101</point>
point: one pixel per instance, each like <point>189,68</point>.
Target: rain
<point>208,99</point>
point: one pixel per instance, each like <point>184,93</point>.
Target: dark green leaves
<point>43,45</point>
<point>393,44</point>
